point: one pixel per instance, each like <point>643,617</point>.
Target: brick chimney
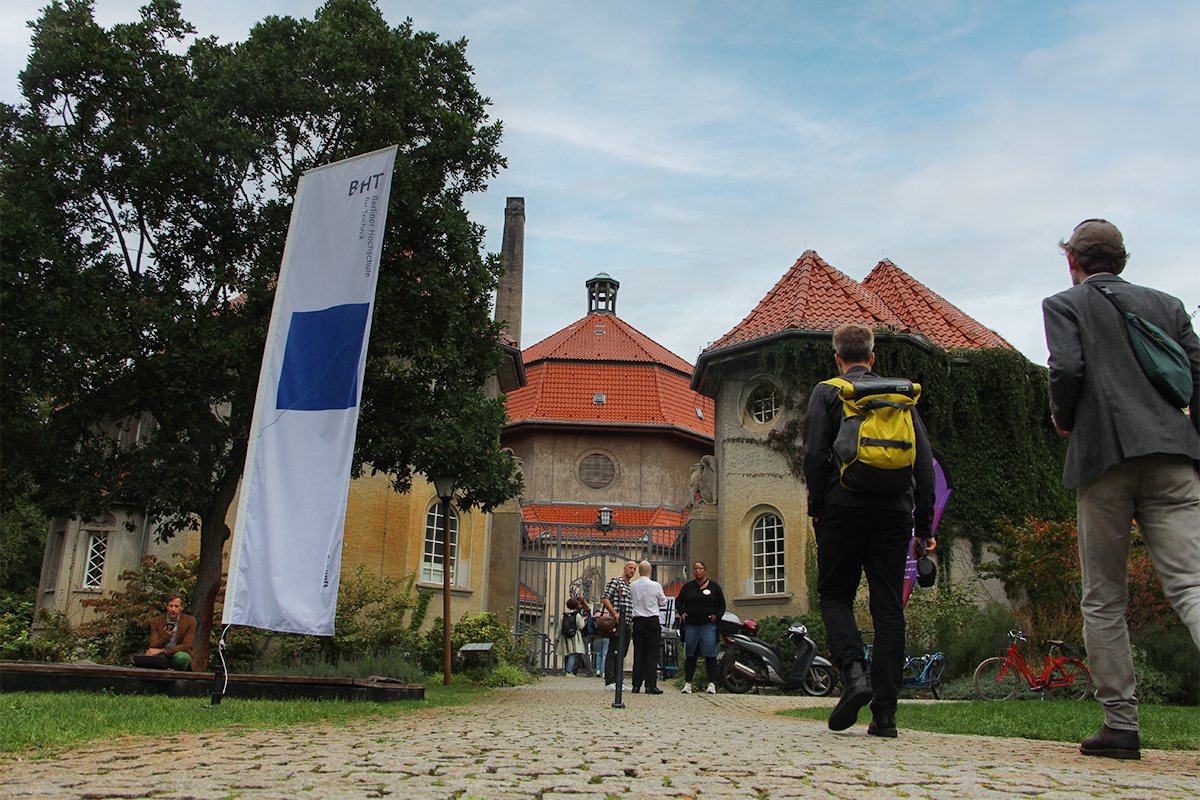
<point>512,255</point>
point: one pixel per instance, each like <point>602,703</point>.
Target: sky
<point>694,149</point>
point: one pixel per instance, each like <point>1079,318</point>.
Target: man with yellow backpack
<point>868,467</point>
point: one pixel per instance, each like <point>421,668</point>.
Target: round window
<point>764,404</point>
<point>597,470</point>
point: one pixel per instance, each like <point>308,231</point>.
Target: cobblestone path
<point>562,739</point>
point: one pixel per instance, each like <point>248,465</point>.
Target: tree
<point>147,193</point>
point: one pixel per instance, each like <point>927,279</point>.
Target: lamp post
<point>444,485</point>
<point>605,521</point>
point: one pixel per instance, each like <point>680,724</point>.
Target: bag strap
<point>1107,292</point>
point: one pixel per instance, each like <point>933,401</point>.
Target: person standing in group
<point>570,637</point>
<point>857,531</point>
<point>701,604</point>
<point>599,643</point>
<point>646,597</point>
<point>1132,455</point>
<point>617,603</point>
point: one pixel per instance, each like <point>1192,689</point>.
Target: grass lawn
<point>1162,727</point>
<point>39,724</point>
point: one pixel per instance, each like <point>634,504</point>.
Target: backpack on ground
<point>570,624</point>
<point>876,443</point>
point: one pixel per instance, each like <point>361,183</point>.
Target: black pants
<point>647,640</point>
<point>614,662</point>
<point>850,541</point>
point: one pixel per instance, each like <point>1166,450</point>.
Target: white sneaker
<point>687,689</point>
<point>712,688</point>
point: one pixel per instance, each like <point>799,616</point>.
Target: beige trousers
<point>1162,493</point>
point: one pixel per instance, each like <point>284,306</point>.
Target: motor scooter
<point>749,661</point>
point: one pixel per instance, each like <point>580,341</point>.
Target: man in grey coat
<point>1132,456</point>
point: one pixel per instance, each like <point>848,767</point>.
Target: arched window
<point>767,543</point>
<point>432,564</point>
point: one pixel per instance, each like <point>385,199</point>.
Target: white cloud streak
<point>694,148</point>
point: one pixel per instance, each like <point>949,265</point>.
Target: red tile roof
<point>604,337</point>
<point>544,519</point>
<point>634,394</point>
<point>642,382</point>
<point>811,296</point>
<point>924,310</point>
<point>530,597</point>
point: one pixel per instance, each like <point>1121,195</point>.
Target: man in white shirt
<point>647,598</point>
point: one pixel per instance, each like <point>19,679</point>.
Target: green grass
<point>1162,727</point>
<point>39,724</point>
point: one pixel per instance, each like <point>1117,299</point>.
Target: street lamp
<point>605,521</point>
<point>444,486</point>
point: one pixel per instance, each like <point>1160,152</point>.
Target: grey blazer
<point>1097,389</point>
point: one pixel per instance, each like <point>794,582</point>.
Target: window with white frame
<point>93,570</point>
<point>433,563</point>
<point>764,404</point>
<point>767,542</point>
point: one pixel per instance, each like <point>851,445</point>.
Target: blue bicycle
<point>922,672</point>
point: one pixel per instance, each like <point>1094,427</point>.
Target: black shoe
<point>883,726</point>
<point>856,693</point>
<point>636,690</point>
<point>655,690</point>
<point>1113,743</point>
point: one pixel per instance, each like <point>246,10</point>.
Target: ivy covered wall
<point>987,413</point>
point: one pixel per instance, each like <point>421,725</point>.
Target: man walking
<point>1132,455</point>
<point>616,601</point>
<point>859,531</point>
<point>646,598</point>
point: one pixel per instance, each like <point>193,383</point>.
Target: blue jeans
<point>703,637</point>
<point>571,662</point>
<point>600,647</point>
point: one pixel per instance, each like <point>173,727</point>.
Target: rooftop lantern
<point>602,294</point>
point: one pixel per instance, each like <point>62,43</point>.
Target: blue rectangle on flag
<point>320,360</point>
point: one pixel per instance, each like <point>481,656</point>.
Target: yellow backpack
<point>876,443</point>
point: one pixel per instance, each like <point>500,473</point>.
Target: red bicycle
<point>1063,677</point>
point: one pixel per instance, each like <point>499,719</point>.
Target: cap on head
<point>1095,234</point>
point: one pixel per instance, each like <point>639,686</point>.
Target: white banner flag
<point>287,543</point>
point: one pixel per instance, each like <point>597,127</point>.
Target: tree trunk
<point>213,533</point>
<point>208,582</point>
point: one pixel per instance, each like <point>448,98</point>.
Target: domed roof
<point>602,371</point>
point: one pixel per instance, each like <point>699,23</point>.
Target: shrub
<point>120,626</point>
<point>502,675</point>
<point>1167,666</point>
<point>485,627</point>
<point>371,620</point>
<point>16,613</point>
<point>395,664</point>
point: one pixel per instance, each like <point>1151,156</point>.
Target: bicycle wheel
<point>996,679</point>
<point>1069,680</point>
<point>821,681</point>
<point>936,668</point>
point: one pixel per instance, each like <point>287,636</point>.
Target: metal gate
<point>558,562</point>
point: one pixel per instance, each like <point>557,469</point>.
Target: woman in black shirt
<point>701,604</point>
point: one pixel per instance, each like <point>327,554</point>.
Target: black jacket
<point>824,487</point>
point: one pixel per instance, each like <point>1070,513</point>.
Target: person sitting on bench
<point>171,634</point>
